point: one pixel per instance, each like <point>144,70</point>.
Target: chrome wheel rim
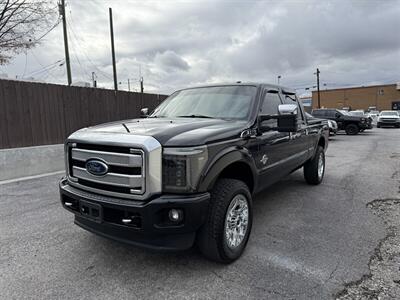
<point>236,221</point>
<point>320,166</point>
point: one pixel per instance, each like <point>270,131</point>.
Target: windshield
<point>222,102</point>
<point>389,113</point>
<point>344,112</point>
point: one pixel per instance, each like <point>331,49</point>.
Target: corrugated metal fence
<point>34,114</point>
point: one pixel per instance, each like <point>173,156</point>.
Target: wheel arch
<point>234,164</point>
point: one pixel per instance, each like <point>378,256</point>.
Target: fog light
<point>175,215</point>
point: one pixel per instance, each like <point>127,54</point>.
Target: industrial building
<point>383,97</point>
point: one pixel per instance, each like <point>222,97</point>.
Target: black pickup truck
<point>187,172</point>
<point>351,124</point>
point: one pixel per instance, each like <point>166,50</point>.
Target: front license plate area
<point>91,210</point>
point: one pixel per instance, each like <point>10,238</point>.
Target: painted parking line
<point>30,177</point>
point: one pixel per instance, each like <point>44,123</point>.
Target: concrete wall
<point>380,96</point>
<point>29,161</point>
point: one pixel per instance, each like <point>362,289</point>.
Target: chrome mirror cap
<point>287,109</point>
<point>144,112</point>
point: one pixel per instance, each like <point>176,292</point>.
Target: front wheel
<point>314,169</point>
<point>352,129</point>
<point>224,236</point>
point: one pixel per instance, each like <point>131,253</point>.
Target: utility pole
<point>113,50</point>
<point>129,85</point>
<point>67,62</point>
<point>94,79</point>
<point>141,85</point>
<point>279,77</point>
<point>319,96</point>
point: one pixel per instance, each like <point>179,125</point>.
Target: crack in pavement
<point>383,277</point>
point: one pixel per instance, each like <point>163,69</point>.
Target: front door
<point>273,145</point>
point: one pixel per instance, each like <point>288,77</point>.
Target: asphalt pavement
<point>307,242</point>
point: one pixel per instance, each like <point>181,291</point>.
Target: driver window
<point>270,107</point>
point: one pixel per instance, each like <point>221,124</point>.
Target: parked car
<point>332,125</point>
<point>186,173</point>
<point>345,121</point>
<point>360,113</point>
<point>389,118</point>
<point>374,115</point>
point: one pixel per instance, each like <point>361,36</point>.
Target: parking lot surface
<point>307,241</point>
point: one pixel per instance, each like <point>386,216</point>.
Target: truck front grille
<point>126,169</point>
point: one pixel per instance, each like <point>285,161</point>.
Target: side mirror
<point>287,118</point>
<point>144,112</point>
<point>337,115</point>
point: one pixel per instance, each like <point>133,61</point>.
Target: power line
<point>73,44</point>
<point>83,50</point>
<point>50,30</point>
<point>45,68</point>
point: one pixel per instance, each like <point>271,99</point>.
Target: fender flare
<point>224,159</point>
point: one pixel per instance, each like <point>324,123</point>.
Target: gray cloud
<point>170,61</point>
<point>180,43</point>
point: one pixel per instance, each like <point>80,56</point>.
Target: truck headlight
<point>182,168</point>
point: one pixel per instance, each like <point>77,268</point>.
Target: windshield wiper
<point>196,116</point>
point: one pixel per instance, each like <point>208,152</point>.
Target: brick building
<point>383,97</point>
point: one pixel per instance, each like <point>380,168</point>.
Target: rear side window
<point>318,113</point>
<point>331,113</point>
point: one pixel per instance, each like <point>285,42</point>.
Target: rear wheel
<point>314,169</point>
<point>224,236</point>
<point>352,129</point>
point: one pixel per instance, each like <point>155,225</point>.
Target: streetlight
<point>279,77</point>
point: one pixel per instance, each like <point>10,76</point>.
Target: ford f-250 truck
<point>187,172</point>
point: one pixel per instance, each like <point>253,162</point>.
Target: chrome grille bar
<point>129,181</point>
<point>116,159</point>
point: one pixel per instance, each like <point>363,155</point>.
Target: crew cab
<point>186,173</point>
<point>345,121</point>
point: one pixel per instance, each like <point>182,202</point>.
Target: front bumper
<point>388,123</point>
<point>150,228</point>
<point>364,125</point>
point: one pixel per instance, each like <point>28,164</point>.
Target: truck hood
<point>388,117</point>
<point>175,131</point>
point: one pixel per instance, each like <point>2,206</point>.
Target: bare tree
<point>22,24</point>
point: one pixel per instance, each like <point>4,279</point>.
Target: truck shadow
<point>115,254</point>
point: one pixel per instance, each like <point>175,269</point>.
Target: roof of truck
<point>284,89</point>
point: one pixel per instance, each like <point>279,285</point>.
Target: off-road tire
<point>311,168</point>
<point>352,129</point>
<point>211,236</point>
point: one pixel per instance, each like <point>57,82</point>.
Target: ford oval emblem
<point>96,167</point>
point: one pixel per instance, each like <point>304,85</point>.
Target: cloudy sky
<point>184,43</point>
